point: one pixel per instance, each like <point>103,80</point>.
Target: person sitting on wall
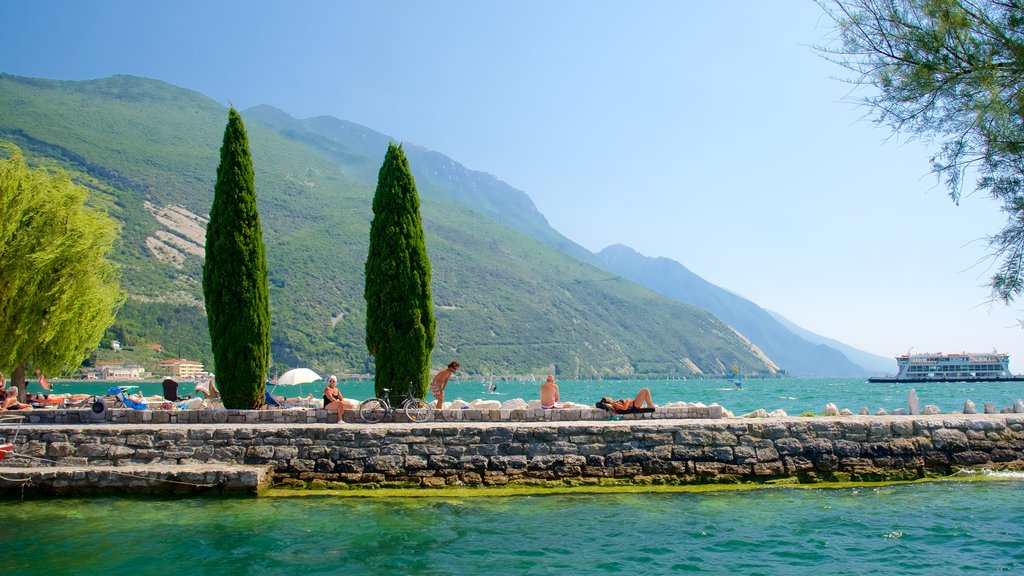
<point>333,399</point>
<point>549,394</point>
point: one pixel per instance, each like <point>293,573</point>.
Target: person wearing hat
<point>440,382</point>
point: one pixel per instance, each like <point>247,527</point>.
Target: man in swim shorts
<point>549,394</point>
<point>440,382</point>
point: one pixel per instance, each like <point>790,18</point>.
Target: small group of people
<point>334,401</point>
<point>10,400</point>
<point>549,399</point>
<point>549,394</point>
<point>9,395</point>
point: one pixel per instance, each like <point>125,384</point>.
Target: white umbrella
<point>298,376</point>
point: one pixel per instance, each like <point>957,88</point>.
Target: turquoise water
<point>794,395</point>
<point>933,528</point>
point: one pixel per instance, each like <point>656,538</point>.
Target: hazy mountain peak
<point>790,351</point>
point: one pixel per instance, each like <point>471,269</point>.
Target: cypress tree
<point>399,310</point>
<point>235,281</point>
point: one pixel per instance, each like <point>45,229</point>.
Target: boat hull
<point>912,380</point>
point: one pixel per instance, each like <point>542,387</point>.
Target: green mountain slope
<point>506,302</point>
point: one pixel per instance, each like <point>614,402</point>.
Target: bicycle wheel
<point>373,410</point>
<point>416,410</point>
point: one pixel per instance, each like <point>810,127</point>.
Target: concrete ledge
<point>314,416</point>
<point>137,479</point>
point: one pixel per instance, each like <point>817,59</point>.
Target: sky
<point>711,133</point>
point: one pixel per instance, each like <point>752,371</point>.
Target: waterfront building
<point>181,368</point>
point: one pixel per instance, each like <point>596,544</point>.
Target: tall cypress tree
<point>399,309</point>
<point>235,281</point>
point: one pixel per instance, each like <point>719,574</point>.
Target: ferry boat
<point>963,367</point>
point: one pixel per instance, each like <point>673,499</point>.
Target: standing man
<point>440,382</point>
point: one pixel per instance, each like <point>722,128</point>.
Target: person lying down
<point>641,403</point>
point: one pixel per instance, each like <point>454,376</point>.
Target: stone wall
<point>855,448</point>
<point>312,416</point>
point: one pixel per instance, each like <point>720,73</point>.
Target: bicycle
<point>374,410</point>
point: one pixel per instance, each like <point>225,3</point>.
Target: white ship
<point>963,367</point>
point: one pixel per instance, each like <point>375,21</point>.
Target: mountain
<point>351,145</point>
<point>509,298</point>
<point>872,363</point>
<point>791,352</point>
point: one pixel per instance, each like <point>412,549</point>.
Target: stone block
<point>427,449</point>
<point>744,454</point>
<point>846,448</point>
<point>720,453</point>
<point>260,452</point>
<point>970,458</point>
<point>482,450</point>
<point>774,468</point>
<point>390,465</point>
<point>285,452</point>
<point>60,449</point>
<point>950,440</point>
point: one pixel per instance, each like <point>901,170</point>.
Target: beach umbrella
<point>298,376</point>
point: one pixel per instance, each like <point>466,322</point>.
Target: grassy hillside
<point>506,302</point>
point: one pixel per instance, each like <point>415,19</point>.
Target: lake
<point>942,527</point>
<point>794,395</point>
<point>924,528</point>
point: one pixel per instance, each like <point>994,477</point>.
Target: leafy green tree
<point>399,309</point>
<point>952,71</point>
<point>235,281</point>
<point>58,290</point>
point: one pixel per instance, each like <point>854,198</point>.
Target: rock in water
<point>846,412</point>
<point>1018,406</point>
<point>913,403</point>
<point>864,411</point>
<point>931,409</point>
<point>970,408</point>
<point>990,407</point>
<point>882,412</point>
<point>830,410</point>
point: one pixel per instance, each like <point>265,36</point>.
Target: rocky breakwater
<point>666,451</point>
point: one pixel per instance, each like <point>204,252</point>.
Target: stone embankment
<point>497,453</point>
<point>312,416</point>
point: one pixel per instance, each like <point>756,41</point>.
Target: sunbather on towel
<point>292,401</point>
<point>11,400</point>
<point>642,400</point>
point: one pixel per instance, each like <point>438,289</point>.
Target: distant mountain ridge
<point>791,352</point>
<point>872,363</point>
<point>509,298</point>
<point>351,144</point>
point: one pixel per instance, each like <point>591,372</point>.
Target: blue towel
<point>120,395</point>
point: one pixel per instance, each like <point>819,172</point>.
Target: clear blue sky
<point>706,132</point>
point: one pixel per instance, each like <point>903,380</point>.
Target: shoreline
<point>511,491</point>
